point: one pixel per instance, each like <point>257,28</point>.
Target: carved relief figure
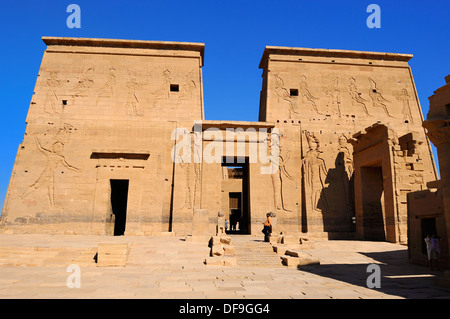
<point>406,110</point>
<point>186,187</point>
<point>279,181</point>
<point>315,173</point>
<point>284,95</point>
<point>85,82</point>
<point>188,86</point>
<point>163,91</point>
<point>63,133</point>
<point>304,91</point>
<point>344,166</point>
<point>377,98</point>
<point>52,103</point>
<point>46,179</point>
<point>133,103</point>
<point>197,151</point>
<point>334,98</point>
<point>107,90</point>
<point>356,96</point>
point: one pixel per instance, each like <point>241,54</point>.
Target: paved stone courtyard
<point>35,266</point>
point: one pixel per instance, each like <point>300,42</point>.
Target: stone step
<point>41,256</point>
<point>252,251</point>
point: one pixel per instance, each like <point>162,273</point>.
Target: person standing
<point>429,248</point>
<point>435,250</point>
<point>267,228</point>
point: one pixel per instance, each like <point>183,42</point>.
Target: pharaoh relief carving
<point>134,89</point>
<point>55,158</point>
<point>188,86</point>
<point>185,185</point>
<point>284,95</point>
<point>315,174</point>
<point>344,166</point>
<point>197,151</point>
<point>306,94</point>
<point>85,82</point>
<point>378,100</point>
<point>356,96</point>
<point>52,103</point>
<point>404,97</point>
<point>280,180</point>
<point>334,98</point>
<point>107,90</point>
<point>162,93</point>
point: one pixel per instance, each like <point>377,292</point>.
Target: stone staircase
<point>102,251</point>
<point>251,251</point>
<point>46,256</point>
<point>169,252</point>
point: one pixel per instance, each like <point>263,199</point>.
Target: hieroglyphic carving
<point>377,98</point>
<point>315,173</point>
<point>356,96</point>
<point>46,179</point>
<point>334,97</point>
<point>404,97</point>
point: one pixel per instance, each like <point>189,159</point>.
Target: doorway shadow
<point>337,201</point>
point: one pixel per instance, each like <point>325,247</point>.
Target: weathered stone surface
<point>228,250</point>
<point>302,260</point>
<point>217,250</point>
<point>112,255</point>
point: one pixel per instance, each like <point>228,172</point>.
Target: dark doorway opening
<point>235,205</point>
<point>119,199</point>
<point>373,203</point>
<point>239,202</point>
<point>428,227</point>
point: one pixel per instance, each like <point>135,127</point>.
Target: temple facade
<point>117,143</point>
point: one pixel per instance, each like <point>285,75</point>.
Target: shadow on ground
<point>398,277</point>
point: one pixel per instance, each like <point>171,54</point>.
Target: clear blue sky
<point>235,33</point>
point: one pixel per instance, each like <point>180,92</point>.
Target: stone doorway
<point>428,227</point>
<point>373,203</point>
<point>238,214</point>
<point>119,199</point>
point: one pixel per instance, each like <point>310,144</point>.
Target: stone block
<point>301,260</point>
<point>225,240</point>
<point>112,255</point>
<point>221,261</point>
<point>217,250</point>
<point>200,223</point>
<point>228,250</point>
